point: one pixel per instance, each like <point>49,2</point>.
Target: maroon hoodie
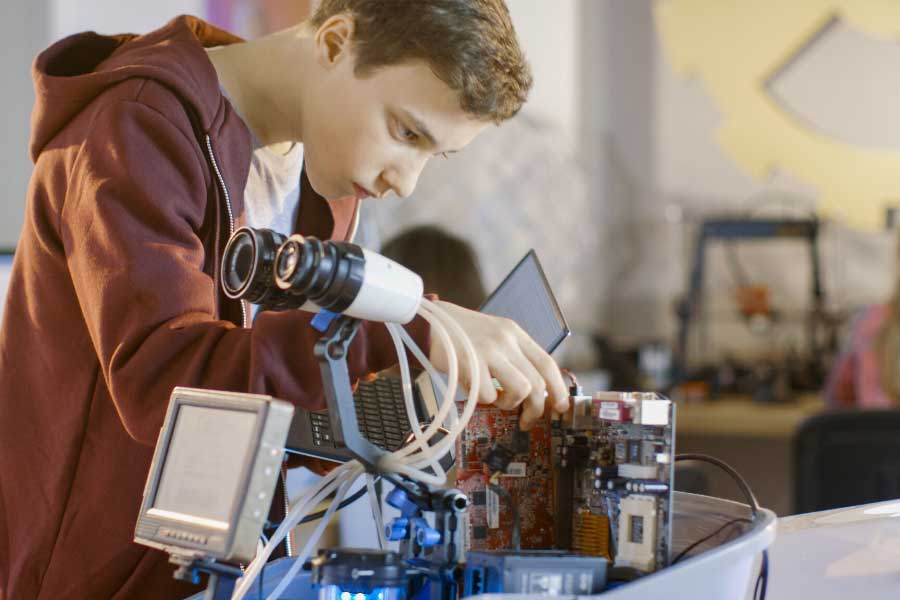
<point>140,167</point>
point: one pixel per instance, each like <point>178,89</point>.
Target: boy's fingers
<point>531,413</point>
<point>549,372</point>
<point>515,385</point>
<point>487,392</point>
<point>534,402</point>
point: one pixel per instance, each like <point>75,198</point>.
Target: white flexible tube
<point>447,404</point>
<point>427,454</point>
<point>410,466</point>
<point>475,378</point>
<point>407,460</point>
<point>252,571</point>
<point>412,416</point>
<point>376,510</point>
<point>319,492</point>
<point>437,378</point>
<point>314,538</point>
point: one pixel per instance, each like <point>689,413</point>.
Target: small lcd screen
<point>206,455</point>
<point>526,298</point>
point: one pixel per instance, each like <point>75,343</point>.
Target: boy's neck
<point>261,78</point>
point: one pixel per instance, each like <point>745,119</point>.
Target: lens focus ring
<point>247,269</point>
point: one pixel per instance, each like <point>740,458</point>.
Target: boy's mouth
<point>361,192</point>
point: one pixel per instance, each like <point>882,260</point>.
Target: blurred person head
<point>446,264</point>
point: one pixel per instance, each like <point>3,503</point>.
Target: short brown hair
<point>470,45</point>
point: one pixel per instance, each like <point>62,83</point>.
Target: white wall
<point>26,28</point>
<point>110,16</point>
<point>548,32</point>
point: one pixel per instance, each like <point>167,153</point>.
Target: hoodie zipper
<point>215,165</point>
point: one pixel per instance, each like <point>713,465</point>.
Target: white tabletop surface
<point>838,554</point>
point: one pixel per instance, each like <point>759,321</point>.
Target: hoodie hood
<point>72,72</point>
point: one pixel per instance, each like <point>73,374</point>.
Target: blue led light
<point>334,592</point>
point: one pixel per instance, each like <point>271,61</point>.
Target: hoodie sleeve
<point>137,199</point>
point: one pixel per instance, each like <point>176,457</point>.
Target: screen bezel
<point>221,541</point>
<point>4,252</point>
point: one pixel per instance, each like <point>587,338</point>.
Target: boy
<point>148,152</point>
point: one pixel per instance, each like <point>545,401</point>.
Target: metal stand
<point>743,229</point>
<point>222,577</point>
<point>331,352</point>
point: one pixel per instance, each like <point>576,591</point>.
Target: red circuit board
<point>528,479</point>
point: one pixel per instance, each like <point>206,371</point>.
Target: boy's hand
<point>509,355</point>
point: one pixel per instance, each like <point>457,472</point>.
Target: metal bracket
<point>331,352</point>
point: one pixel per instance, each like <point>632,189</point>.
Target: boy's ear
<point>334,40</point>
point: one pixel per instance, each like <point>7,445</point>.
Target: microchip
<point>521,442</point>
<point>479,498</point>
<point>498,458</point>
<point>634,451</point>
<point>479,532</point>
<point>636,530</point>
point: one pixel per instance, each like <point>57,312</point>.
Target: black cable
<point>516,537</point>
<point>684,552</point>
<point>751,499</point>
<point>347,502</point>
<point>763,577</point>
<point>318,515</point>
<point>762,580</point>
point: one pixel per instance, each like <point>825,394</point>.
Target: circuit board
<point>613,472</point>
<point>596,481</point>
<point>528,479</point>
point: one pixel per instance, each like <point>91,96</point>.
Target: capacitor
<point>616,483</point>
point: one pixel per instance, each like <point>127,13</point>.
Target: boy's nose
<point>403,179</point>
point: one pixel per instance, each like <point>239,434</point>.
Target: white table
<point>838,554</point>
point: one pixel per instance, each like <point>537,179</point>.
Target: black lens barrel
<point>264,267</point>
<point>247,269</point>
<point>327,273</point>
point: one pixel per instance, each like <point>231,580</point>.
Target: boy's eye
<point>407,134</point>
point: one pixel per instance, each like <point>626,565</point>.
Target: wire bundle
<point>410,461</point>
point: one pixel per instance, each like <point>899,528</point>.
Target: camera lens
<point>247,269</point>
<point>328,273</point>
<point>241,267</point>
<point>287,261</point>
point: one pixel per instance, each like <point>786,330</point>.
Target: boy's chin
<point>326,190</point>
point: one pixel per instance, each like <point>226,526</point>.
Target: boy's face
<point>368,136</point>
